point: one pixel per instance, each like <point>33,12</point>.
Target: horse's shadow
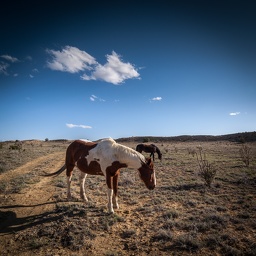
<point>10,223</point>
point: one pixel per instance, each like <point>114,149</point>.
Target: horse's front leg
<point>110,193</point>
<point>82,192</point>
<point>152,155</point>
<point>115,185</point>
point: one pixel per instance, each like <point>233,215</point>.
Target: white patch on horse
<point>84,140</point>
<point>108,151</point>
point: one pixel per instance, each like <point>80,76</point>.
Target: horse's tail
<point>62,169</point>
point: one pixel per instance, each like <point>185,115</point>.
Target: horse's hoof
<point>116,206</point>
<point>111,211</point>
<point>84,198</point>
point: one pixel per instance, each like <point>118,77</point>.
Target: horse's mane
<point>123,151</point>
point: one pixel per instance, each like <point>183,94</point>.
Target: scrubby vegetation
<point>186,214</point>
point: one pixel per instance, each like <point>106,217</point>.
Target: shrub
<point>16,146</point>
<point>191,152</point>
<point>162,235</point>
<point>245,154</point>
<point>187,242</point>
<point>145,140</point>
<point>207,170</point>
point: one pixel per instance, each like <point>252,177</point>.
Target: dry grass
<point>181,216</point>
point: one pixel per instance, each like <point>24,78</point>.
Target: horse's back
<point>79,148</point>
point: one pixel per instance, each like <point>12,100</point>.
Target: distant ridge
<point>236,137</point>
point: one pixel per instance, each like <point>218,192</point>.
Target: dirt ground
<point>180,217</point>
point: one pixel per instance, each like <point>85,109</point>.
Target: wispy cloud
<point>94,98</point>
<point>156,99</point>
<point>234,113</point>
<point>73,60</point>
<point>115,71</point>
<point>3,68</point>
<point>6,63</point>
<point>9,58</point>
<point>29,58</point>
<point>78,126</point>
<point>35,70</point>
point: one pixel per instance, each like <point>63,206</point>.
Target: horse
<point>149,148</point>
<point>105,157</point>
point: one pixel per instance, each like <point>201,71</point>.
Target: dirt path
<point>24,209</point>
<point>57,157</point>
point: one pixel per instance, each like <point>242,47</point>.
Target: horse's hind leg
<point>82,192</point>
<point>68,191</point>
<point>115,183</point>
<point>70,168</point>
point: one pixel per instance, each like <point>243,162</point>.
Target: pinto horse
<point>149,148</point>
<point>105,157</point>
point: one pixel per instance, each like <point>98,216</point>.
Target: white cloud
<point>78,126</point>
<point>115,71</point>
<point>31,76</point>
<point>70,59</point>
<point>9,58</point>
<point>157,99</point>
<point>94,98</point>
<point>234,113</point>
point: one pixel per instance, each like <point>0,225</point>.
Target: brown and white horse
<point>149,148</point>
<point>105,157</point>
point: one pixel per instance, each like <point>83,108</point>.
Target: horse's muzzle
<point>151,187</point>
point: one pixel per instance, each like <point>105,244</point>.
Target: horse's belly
<point>93,168</point>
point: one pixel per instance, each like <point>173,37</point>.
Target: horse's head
<point>147,173</point>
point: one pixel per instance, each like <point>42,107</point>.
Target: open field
<point>181,216</point>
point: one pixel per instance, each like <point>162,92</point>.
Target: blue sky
<point>92,69</point>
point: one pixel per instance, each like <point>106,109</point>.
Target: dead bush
<point>245,154</point>
<point>207,170</point>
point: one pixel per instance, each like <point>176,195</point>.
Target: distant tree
<point>46,139</point>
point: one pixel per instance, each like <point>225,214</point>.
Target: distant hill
<point>236,137</point>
